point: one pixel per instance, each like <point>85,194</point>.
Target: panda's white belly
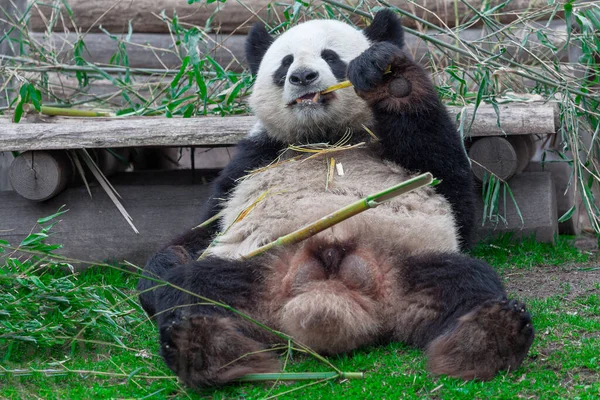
<point>293,194</point>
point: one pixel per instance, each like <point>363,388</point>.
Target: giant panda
<point>394,273</point>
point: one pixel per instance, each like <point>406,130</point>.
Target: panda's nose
<point>303,77</point>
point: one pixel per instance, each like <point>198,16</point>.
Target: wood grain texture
<point>8,10</point>
<point>146,50</point>
<point>494,155</point>
<point>71,133</point>
<point>233,16</point>
<point>40,175</point>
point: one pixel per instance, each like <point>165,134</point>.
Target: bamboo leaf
<point>567,215</point>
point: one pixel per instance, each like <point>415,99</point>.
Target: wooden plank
<point>234,16</point>
<point>93,229</point>
<point>73,133</point>
<point>151,50</point>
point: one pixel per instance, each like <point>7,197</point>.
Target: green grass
<point>506,254</point>
<point>564,361</point>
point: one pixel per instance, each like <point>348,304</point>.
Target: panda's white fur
<point>306,42</point>
<point>294,194</point>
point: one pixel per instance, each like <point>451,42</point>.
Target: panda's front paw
<point>367,71</point>
<point>389,80</point>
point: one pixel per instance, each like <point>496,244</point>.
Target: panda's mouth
<point>311,99</point>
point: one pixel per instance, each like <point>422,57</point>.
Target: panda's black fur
<point>370,279</point>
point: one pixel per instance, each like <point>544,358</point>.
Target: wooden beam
<point>47,133</point>
<point>152,50</point>
<point>234,16</point>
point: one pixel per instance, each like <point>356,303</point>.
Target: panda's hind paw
<point>206,351</point>
<point>496,336</point>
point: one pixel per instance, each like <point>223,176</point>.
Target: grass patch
<point>117,357</point>
<point>507,254</point>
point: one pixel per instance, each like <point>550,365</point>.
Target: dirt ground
<point>546,281</point>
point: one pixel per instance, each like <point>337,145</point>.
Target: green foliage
<point>45,304</point>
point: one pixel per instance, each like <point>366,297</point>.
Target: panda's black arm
<point>413,125</point>
<point>252,152</point>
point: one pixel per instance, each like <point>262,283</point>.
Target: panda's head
<point>295,67</point>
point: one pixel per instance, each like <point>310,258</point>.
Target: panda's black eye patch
<point>281,72</point>
<point>338,67</point>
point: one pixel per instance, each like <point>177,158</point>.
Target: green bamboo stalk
<point>371,201</point>
<point>45,67</point>
<point>69,112</point>
<point>300,376</point>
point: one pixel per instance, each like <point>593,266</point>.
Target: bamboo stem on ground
<point>300,376</point>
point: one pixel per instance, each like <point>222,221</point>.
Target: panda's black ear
<point>257,43</point>
<point>385,27</point>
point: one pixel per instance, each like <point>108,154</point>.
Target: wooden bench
<point>164,203</point>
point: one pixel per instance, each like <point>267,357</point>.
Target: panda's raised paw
<point>377,67</point>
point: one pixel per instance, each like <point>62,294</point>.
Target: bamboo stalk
<point>344,213</point>
<point>69,112</point>
<point>347,83</point>
<point>300,376</point>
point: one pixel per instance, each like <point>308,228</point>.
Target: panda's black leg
<point>456,308</point>
<point>206,344</point>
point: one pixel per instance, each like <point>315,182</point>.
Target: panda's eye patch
<point>281,72</point>
<point>329,55</point>
<point>287,60</point>
<point>338,67</point>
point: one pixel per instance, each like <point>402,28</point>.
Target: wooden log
<point>493,155</point>
<point>233,16</point>
<point>10,13</point>
<point>40,175</point>
<point>151,50</point>
<point>524,148</point>
<point>5,161</point>
<point>504,157</point>
<point>74,133</point>
<point>93,229</point>
<point>567,194</point>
